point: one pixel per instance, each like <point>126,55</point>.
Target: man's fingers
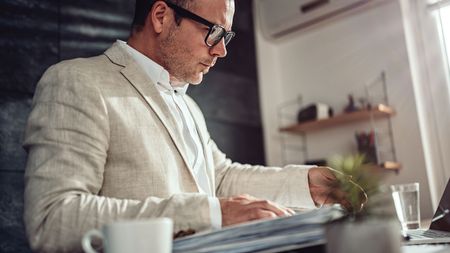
<point>270,206</point>
<point>244,196</point>
<point>342,198</point>
<point>244,208</point>
<point>257,214</point>
<point>326,188</point>
<point>265,204</point>
<point>331,196</point>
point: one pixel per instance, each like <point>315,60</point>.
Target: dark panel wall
<point>35,34</point>
<point>29,44</point>
<point>229,96</point>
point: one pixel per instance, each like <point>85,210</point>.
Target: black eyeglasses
<point>215,33</point>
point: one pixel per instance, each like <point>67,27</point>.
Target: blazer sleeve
<point>288,186</point>
<point>67,138</point>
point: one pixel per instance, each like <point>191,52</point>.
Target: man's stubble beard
<point>177,59</point>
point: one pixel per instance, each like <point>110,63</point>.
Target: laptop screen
<point>442,215</point>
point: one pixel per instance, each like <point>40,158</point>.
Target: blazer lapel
<point>146,88</point>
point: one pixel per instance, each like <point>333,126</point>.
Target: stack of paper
<point>298,231</point>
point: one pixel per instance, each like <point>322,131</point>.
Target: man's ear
<point>157,16</point>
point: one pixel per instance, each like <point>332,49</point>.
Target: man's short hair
<point>143,8</point>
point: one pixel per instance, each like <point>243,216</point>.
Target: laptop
<point>439,231</point>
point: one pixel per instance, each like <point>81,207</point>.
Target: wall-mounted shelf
<point>380,111</point>
<point>391,166</point>
<point>384,142</point>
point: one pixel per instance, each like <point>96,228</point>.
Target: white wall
<point>329,61</point>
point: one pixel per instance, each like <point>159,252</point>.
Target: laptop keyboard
<point>421,234</point>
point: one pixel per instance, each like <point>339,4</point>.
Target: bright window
<point>427,33</point>
<point>442,17</point>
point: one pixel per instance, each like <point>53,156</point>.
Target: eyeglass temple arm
<point>189,14</point>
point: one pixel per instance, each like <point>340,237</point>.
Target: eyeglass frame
<point>350,180</point>
<point>187,14</point>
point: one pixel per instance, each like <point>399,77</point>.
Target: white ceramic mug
<point>137,236</point>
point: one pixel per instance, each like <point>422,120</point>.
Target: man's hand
<point>242,208</point>
<point>325,189</point>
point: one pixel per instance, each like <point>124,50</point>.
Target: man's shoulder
<point>80,74</point>
<point>82,65</point>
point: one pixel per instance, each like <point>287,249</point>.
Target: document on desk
<point>298,231</point>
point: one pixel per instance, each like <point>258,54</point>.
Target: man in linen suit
<point>115,137</point>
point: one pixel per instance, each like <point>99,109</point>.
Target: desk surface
<point>426,248</point>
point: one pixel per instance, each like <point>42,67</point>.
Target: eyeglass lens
<point>216,34</point>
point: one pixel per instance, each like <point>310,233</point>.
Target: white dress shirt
<point>174,98</point>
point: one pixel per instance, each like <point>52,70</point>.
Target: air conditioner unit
<point>281,17</point>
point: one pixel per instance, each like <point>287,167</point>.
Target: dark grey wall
<point>229,96</point>
<point>35,34</point>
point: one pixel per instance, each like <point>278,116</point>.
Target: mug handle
<point>87,239</point>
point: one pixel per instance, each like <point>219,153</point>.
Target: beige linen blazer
<point>102,146</point>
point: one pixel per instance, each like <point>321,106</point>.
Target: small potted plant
<point>369,225</point>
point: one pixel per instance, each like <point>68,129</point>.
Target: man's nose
<point>219,50</point>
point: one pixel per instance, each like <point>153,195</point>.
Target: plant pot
<point>368,236</point>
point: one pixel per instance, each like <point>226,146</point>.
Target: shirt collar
<point>155,72</point>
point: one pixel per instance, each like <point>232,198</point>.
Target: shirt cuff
<point>215,213</point>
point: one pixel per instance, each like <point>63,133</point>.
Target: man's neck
<point>143,48</point>
<point>175,82</point>
<point>147,51</point>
